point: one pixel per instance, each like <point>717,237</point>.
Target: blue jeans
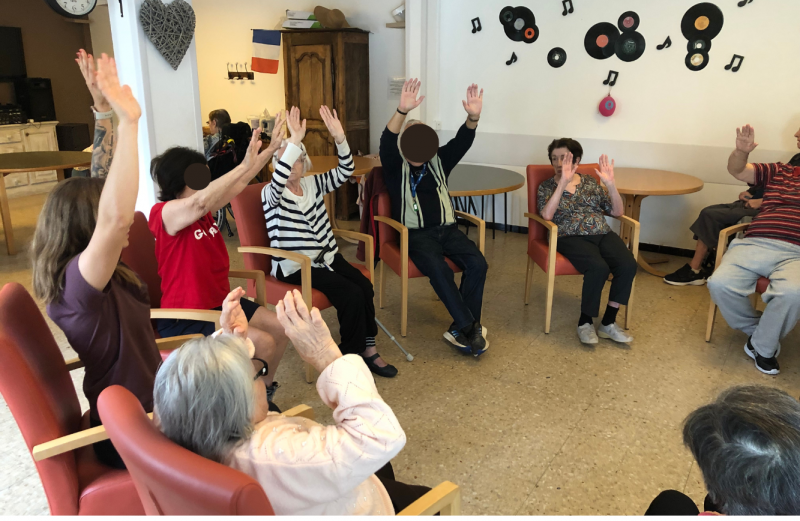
<point>427,249</point>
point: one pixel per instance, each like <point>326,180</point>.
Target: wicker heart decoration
<point>169,27</point>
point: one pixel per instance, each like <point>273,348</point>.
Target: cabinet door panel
<point>312,83</point>
<point>41,141</point>
<point>12,180</point>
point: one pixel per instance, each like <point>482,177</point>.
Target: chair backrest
<point>537,174</point>
<point>36,385</point>
<point>252,226</point>
<point>140,256</point>
<point>386,234</point>
<point>171,480</point>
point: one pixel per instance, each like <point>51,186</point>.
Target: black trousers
<point>427,249</point>
<point>105,450</point>
<point>351,294</point>
<point>596,256</point>
<point>713,219</point>
<point>402,495</point>
<point>674,503</point>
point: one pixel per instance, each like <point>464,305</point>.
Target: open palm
<point>119,96</point>
<point>409,99</point>
<point>606,172</point>
<point>474,102</point>
<point>746,139</point>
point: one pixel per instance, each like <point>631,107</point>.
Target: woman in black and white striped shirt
<point>297,221</point>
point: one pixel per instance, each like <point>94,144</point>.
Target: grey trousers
<point>713,219</point>
<point>747,260</point>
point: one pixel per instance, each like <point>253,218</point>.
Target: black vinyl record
<point>629,46</point>
<point>702,21</point>
<point>629,21</point>
<point>519,24</point>
<point>557,57</point>
<point>600,40</point>
<point>698,45</point>
<point>697,61</point>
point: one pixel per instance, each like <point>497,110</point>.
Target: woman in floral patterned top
<point>578,204</point>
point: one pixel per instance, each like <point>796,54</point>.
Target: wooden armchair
<point>722,247</point>
<point>393,238</point>
<point>543,240</point>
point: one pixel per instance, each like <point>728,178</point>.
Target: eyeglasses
<point>262,371</point>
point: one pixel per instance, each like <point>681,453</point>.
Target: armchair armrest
<point>260,281</point>
<point>636,227</point>
<point>300,411</point>
<point>444,500</point>
<point>369,247</point>
<point>403,231</point>
<point>163,344</point>
<point>724,235</point>
<point>302,260</point>
<point>480,223</point>
<point>202,315</point>
<point>552,245</point>
<point>70,442</point>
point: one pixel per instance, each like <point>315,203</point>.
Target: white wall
<point>668,117</point>
<point>224,35</point>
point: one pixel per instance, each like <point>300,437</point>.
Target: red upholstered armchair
<point>722,247</point>
<point>393,238</point>
<point>35,382</point>
<point>252,226</point>
<point>543,237</point>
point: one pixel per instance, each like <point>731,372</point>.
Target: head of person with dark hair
<point>216,119</point>
<point>168,171</point>
<point>557,152</point>
<point>747,445</point>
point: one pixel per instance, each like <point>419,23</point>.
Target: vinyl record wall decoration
<point>604,40</point>
<point>519,24</point>
<point>701,24</point>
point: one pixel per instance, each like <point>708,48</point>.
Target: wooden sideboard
<point>30,137</point>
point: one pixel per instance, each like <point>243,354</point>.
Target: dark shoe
<point>271,391</point>
<point>273,407</point>
<point>389,371</point>
<point>456,337</point>
<point>686,277</point>
<point>765,365</point>
<point>477,341</point>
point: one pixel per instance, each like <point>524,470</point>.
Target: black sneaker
<point>457,339</point>
<point>477,340</point>
<point>686,277</point>
<point>765,365</point>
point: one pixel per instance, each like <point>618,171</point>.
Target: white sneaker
<point>614,332</point>
<point>587,334</point>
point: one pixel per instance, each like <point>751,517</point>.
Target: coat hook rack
<point>249,74</point>
<point>231,74</point>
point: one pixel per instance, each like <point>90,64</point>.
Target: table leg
<point>633,207</point>
<point>60,175</point>
<point>494,214</point>
<point>505,212</point>
<point>6,215</point>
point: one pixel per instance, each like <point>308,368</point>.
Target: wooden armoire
<point>330,67</point>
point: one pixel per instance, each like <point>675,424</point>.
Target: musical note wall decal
<point>572,8</point>
<point>667,43</point>
<point>513,58</point>
<point>611,81</point>
<point>744,3</point>
<point>476,25</point>
<point>731,67</point>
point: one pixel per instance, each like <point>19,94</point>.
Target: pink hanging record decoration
<point>607,106</point>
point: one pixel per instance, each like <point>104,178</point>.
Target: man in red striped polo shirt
<point>771,248</point>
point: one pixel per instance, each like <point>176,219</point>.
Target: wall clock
<point>72,8</point>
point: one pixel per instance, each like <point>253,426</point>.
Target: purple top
<point>111,332</point>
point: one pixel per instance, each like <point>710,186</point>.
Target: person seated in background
<point>298,221</point>
<point>216,119</point>
<point>101,305</point>
<point>747,445</point>
<point>771,249</point>
<point>578,204</point>
<point>207,402</point>
<point>192,257</point>
<point>712,220</point>
<point>421,202</point>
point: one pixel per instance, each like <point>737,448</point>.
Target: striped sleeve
<point>333,179</point>
<point>271,194</point>
<point>765,172</point>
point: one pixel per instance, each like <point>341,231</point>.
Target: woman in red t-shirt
<point>192,258</point>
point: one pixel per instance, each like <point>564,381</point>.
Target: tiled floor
<point>540,424</point>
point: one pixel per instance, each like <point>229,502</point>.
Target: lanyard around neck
<point>415,181</point>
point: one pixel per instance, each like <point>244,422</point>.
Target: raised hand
<point>252,159</point>
<point>606,172</point>
<point>408,98</point>
<point>474,102</point>
<point>297,128</point>
<point>233,320</point>
<point>307,331</point>
<point>746,139</point>
<point>86,64</point>
<point>331,121</point>
<point>568,169</point>
<point>119,96</point>
<point>277,135</point>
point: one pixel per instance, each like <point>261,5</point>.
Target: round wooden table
<point>634,184</point>
<point>321,164</point>
<point>17,162</point>
<point>476,180</point>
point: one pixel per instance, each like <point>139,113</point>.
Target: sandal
<point>389,371</point>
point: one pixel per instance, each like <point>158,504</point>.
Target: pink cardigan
<point>310,469</point>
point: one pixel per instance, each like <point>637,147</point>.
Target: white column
<point>170,99</point>
<point>422,55</point>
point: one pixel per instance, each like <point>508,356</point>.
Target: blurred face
<point>412,163</point>
<point>798,138</point>
<point>297,167</point>
<point>557,159</point>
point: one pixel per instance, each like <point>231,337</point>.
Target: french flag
<point>266,51</point>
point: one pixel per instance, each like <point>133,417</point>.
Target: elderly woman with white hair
<point>297,221</point>
<point>208,399</point>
